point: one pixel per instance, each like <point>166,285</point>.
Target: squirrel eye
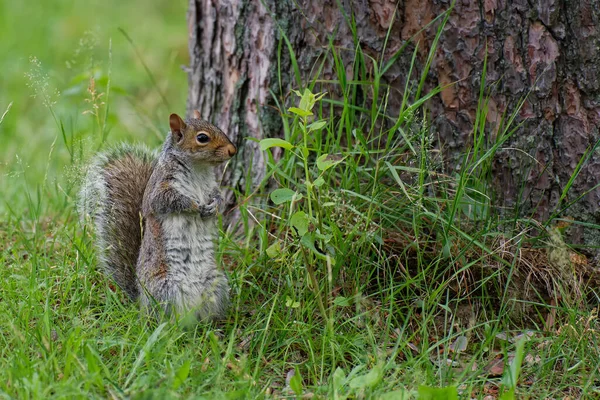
<point>202,138</point>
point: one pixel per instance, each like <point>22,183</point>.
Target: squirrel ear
<point>177,126</point>
<point>197,114</point>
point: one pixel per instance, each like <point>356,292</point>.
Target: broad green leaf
<point>308,241</point>
<point>290,303</point>
<point>341,301</point>
<point>181,374</point>
<point>296,383</point>
<point>275,142</point>
<point>511,375</point>
<point>273,250</point>
<point>279,196</point>
<point>300,112</point>
<point>368,380</point>
<point>339,376</point>
<point>234,395</point>
<point>325,161</point>
<point>430,393</point>
<point>306,99</point>
<point>395,395</point>
<point>324,236</point>
<point>300,221</point>
<point>319,181</point>
<point>317,125</point>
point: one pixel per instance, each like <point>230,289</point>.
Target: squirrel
<point>155,219</point>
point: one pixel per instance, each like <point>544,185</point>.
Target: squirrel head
<point>200,140</point>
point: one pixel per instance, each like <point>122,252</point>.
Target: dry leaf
<point>495,367</point>
<point>459,345</point>
<point>288,377</point>
<point>527,335</point>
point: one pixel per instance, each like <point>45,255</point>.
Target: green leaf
<point>296,383</point>
<point>339,378</point>
<point>429,393</point>
<point>290,303</point>
<point>308,241</point>
<point>300,221</point>
<point>182,374</point>
<point>319,96</point>
<point>306,99</point>
<point>395,395</point>
<point>234,395</point>
<point>324,236</point>
<point>275,142</point>
<point>300,112</point>
<point>319,181</point>
<point>317,125</point>
<point>325,161</point>
<point>511,375</point>
<point>368,380</point>
<point>341,301</point>
<point>274,250</point>
<point>279,196</point>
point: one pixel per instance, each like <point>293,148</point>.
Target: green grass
<point>369,272</point>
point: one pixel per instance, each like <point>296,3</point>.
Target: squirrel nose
<point>231,150</point>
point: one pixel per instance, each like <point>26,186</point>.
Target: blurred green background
<point>49,50</point>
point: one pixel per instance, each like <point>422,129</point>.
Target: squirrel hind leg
<point>206,300</point>
<point>213,309</point>
<point>208,304</point>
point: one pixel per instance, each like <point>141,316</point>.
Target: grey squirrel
<point>154,216</point>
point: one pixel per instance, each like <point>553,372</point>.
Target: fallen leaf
<point>527,335</point>
<point>288,377</point>
<point>495,367</point>
<point>459,345</point>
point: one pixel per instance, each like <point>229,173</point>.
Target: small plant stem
<point>315,284</point>
<point>306,171</point>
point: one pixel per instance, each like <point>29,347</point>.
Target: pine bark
<point>546,50</point>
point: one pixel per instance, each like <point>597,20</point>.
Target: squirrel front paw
<point>212,207</point>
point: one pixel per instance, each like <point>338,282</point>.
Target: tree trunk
<point>547,49</point>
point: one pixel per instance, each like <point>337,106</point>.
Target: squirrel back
<point>112,194</point>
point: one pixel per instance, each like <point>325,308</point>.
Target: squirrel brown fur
<point>155,218</point>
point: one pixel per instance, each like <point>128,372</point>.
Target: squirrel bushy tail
<point>111,195</point>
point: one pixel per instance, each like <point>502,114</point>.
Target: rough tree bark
<point>549,49</point>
